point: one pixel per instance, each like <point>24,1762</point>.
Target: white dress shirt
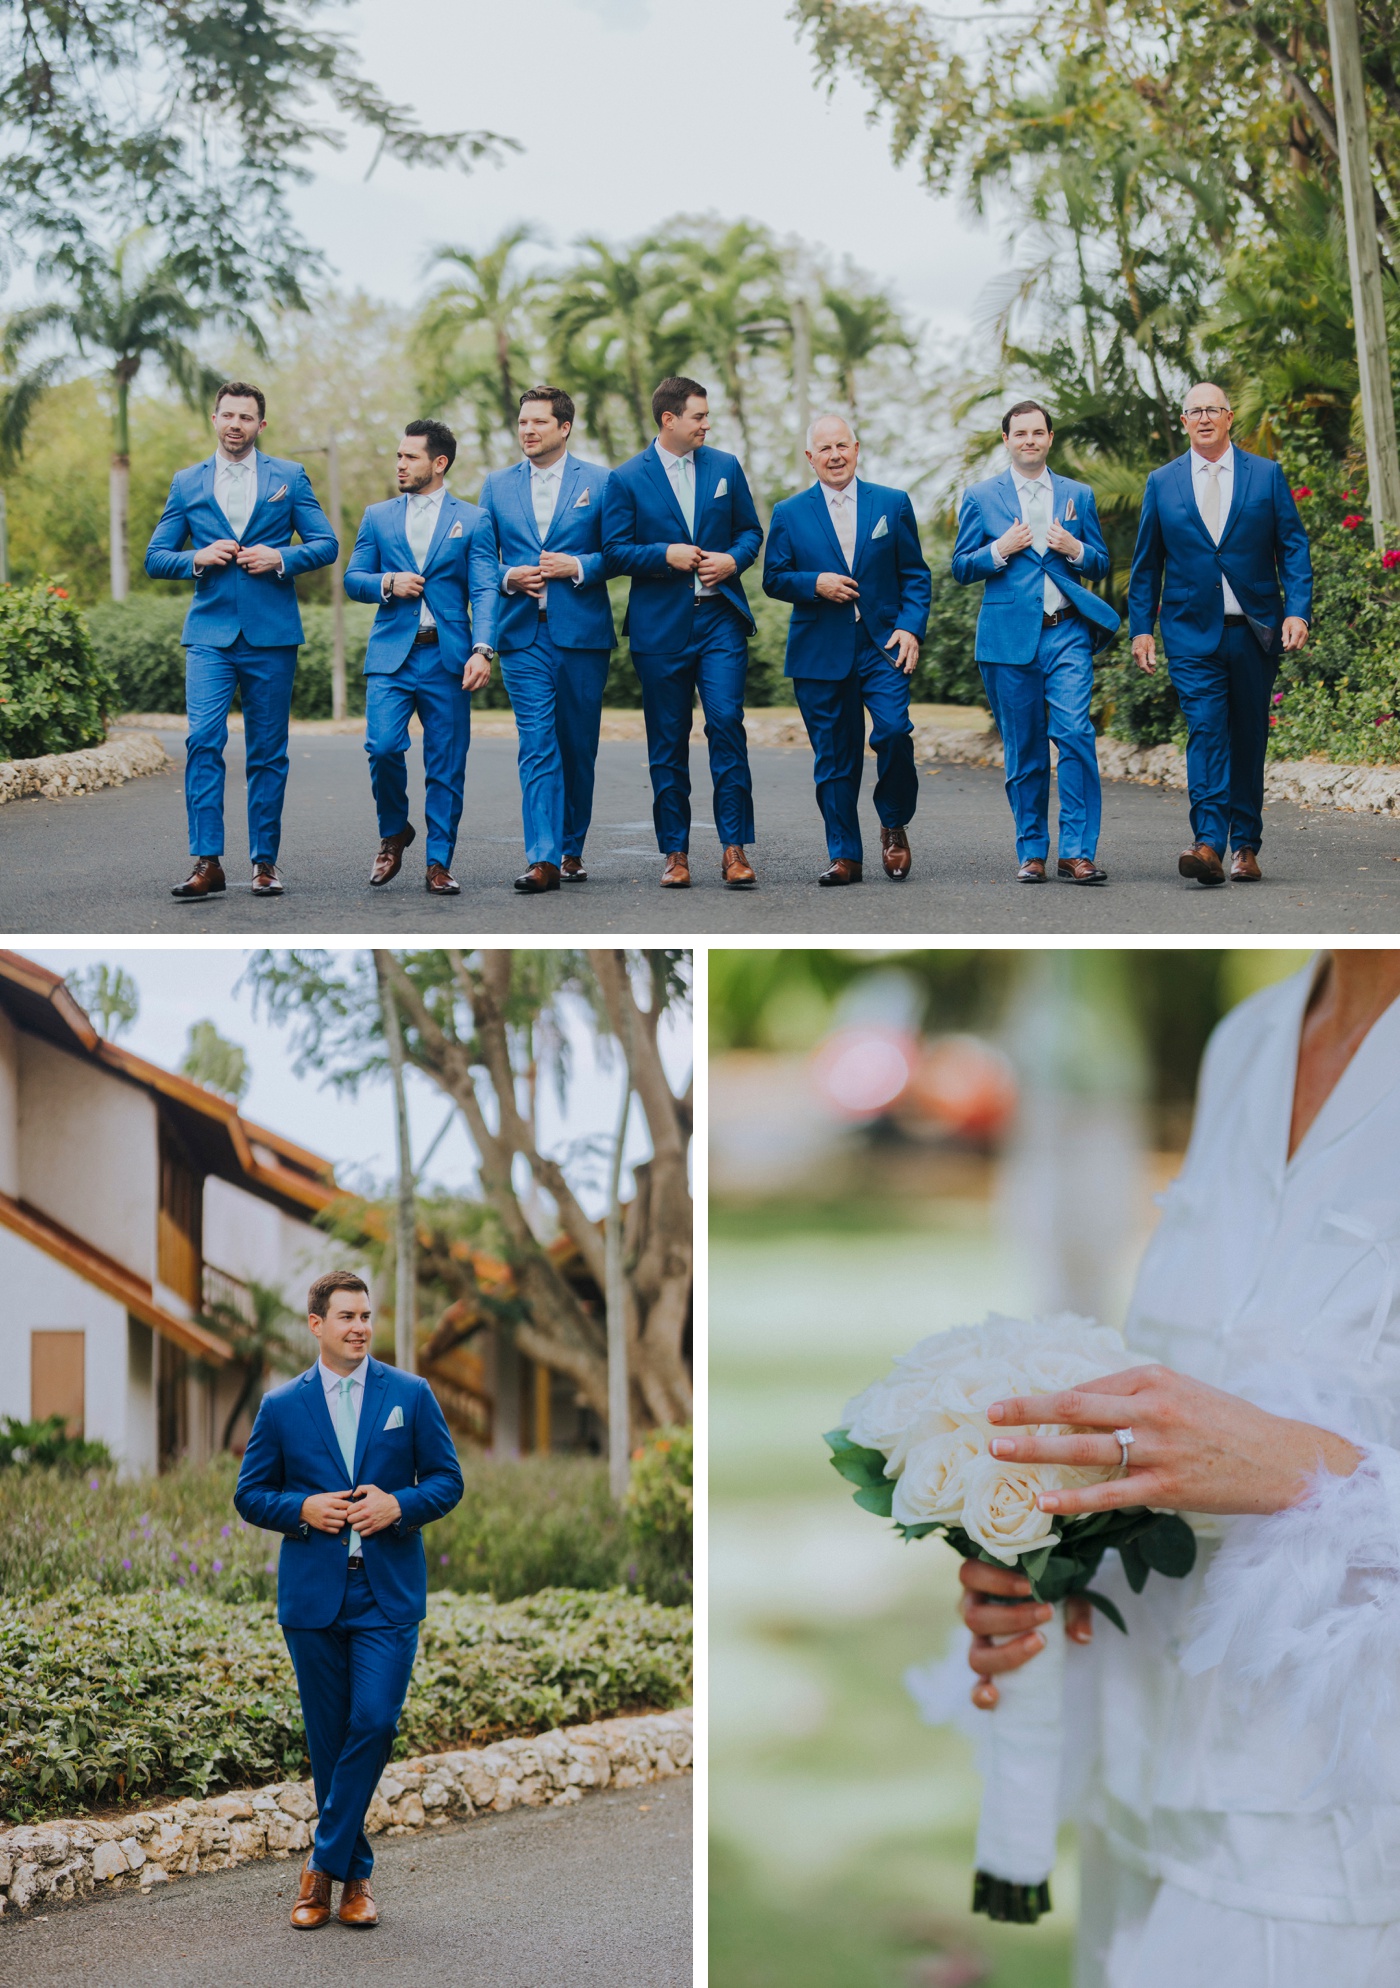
<point>681,470</point>
<point>1025,485</point>
<point>236,492</point>
<point>841,507</point>
<point>545,485</point>
<point>1200,479</point>
<point>331,1383</point>
<point>431,503</point>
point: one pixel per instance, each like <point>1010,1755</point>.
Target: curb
<point>59,774</point>
<point>52,1862</point>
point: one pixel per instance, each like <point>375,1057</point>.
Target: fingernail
<point>995,1413</point>
<point>1047,1502</point>
<point>1003,1446</point>
<point>1034,1642</point>
<point>1044,1613</point>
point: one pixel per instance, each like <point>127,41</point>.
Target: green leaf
<point>1061,1576</point>
<point>1134,1566</point>
<point>856,1465</point>
<point>1168,1546</point>
<point>1106,1607</point>
<point>877,1498</point>
<point>1033,1565</point>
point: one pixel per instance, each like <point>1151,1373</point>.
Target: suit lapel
<point>1243,467</point>
<point>563,503</point>
<point>206,491</point>
<point>866,504</point>
<point>320,1416</point>
<point>816,496</point>
<point>659,476</point>
<point>376,1383</point>
<point>523,492</point>
<point>446,518</point>
<point>1186,493</point>
<point>398,528</point>
<point>263,487</point>
<point>705,481</point>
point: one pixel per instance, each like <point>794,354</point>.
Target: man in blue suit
<point>429,560</point>
<point>846,553</point>
<point>237,512</point>
<point>1037,633</point>
<point>680,520</point>
<point>349,1462</point>
<point>1222,552</point>
<point>554,629</point>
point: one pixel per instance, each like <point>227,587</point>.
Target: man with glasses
<point>1222,554</point>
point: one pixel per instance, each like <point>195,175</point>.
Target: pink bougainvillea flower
<point>1302,491</point>
<point>1278,697</point>
<point>1391,558</point>
<point>1352,520</point>
<point>1273,718</point>
<point>1385,717</point>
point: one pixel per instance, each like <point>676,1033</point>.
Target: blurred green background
<point>842,1827</point>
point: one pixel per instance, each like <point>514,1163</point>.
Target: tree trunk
<point>118,489</point>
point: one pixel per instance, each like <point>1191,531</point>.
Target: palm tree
<point>862,324</point>
<point>256,1333</point>
<point>602,325</point>
<point>721,299</point>
<point>474,335</point>
<point>128,311</point>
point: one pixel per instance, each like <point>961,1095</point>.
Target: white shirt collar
<point>1029,482</point>
<point>669,457</point>
<point>840,496</point>
<point>331,1382</point>
<point>250,461</point>
<point>432,496</point>
<point>1226,463</point>
<point>554,469</point>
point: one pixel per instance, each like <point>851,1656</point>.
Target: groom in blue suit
<point>237,512</point>
<point>554,629</point>
<point>679,519</point>
<point>349,1462</point>
<point>846,553</point>
<point>428,559</point>
<point>1222,554</point>
<point>1037,633</point>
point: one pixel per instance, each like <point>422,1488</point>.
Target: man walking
<point>680,520</point>
<point>237,512</point>
<point>1037,632</point>
<point>554,629</point>
<point>846,553</point>
<point>429,560</point>
<point>1223,553</point>
<point>348,1463</point>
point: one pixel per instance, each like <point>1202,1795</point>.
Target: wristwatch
<point>484,649</point>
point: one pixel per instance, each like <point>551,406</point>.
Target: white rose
<point>930,1492</point>
<point>876,1419</point>
<point>939,1351</point>
<point>933,1422</point>
<point>1000,1511</point>
<point>971,1387</point>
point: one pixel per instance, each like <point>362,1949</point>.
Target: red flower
<point>1302,491</point>
<point>1391,558</point>
<point>1278,697</point>
<point>62,592</point>
<point>1273,718</point>
<point>1352,520</point>
<point>1385,717</point>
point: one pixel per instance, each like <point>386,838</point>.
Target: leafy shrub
<point>139,642</point>
<point>55,691</point>
<point>47,1445</point>
<point>539,1523</point>
<point>661,1512</point>
<point>114,1697</point>
<point>947,671</point>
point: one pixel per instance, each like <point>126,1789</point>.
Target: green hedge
<point>661,1513</point>
<point>160,1695</point>
<point>138,641</point>
<point>56,690</point>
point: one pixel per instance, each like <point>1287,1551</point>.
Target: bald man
<point>846,553</point>
<point>1222,554</point>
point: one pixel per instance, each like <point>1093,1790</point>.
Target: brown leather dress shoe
<point>736,872</point>
<point>842,870</point>
<point>440,882</point>
<point>389,861</point>
<point>1032,871</point>
<point>895,853</point>
<point>266,882</point>
<point>1080,870</point>
<point>572,870</point>
<point>313,1906</point>
<point>539,876</point>
<point>1244,868</point>
<point>1201,862</point>
<point>357,1906</point>
<point>676,874</point>
<point>204,879</point>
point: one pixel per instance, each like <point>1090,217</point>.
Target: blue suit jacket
<point>293,1453</point>
<point>1263,553</point>
<point>641,518</point>
<point>891,570</point>
<point>262,607</point>
<point>460,573</point>
<point>1008,626</point>
<point>580,616</point>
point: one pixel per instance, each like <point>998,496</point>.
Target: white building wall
<point>254,1241</point>
<point>9,1107</point>
<point>88,1153</point>
<point>43,1295</point>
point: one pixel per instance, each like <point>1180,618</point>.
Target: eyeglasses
<point>1201,413</point>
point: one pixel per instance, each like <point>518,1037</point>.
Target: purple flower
<point>194,1566</point>
<point>218,1566</point>
<point>268,1567</point>
<point>442,1559</point>
<point>181,1580</point>
<point>224,1531</point>
<point>127,1565</point>
<point>92,1483</point>
<point>174,1556</point>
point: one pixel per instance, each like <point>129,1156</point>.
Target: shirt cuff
<point>1076,558</point>
<point>578,576</point>
<point>998,557</point>
<point>385,583</point>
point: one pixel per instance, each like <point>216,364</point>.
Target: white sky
<point>631,111</point>
<point>181,986</point>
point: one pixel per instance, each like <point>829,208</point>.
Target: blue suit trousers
<point>419,684</point>
<point>1226,699</point>
<point>557,697</point>
<point>834,713</point>
<point>263,680</point>
<point>352,1678</point>
<point>715,663</point>
<point>1032,704</point>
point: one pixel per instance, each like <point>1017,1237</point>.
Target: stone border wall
<point>124,757</point>
<point>49,1863</point>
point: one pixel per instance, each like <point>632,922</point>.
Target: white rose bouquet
<point>915,1445</point>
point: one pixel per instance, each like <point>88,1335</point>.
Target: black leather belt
<point>1054,620</point>
<point>1237,621</point>
<point>426,635</point>
<point>357,1565</point>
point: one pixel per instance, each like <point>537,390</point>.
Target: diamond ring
<point>1124,1438</point>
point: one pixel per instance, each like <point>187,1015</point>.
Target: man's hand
<point>408,586</point>
<point>1006,1632</point>
<point>906,650</point>
<point>837,587</point>
<point>1014,539</point>
<point>1059,540</point>
<point>477,673</point>
<point>1295,631</point>
<point>372,1509</point>
<point>326,1511</point>
<point>260,559</point>
<point>1145,654</point>
<point>523,579</point>
<point>685,558</point>
<point>559,566</point>
<point>716,567</point>
<point>217,554</point>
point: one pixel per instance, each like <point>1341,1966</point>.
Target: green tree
<point>857,326</point>
<point>212,1060</point>
<point>601,322</point>
<point>475,335</point>
<point>257,1338</point>
<point>718,293</point>
<point>108,995</point>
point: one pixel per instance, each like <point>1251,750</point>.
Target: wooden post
<point>406,1225</point>
<point>619,1437</point>
<point>337,588</point>
<point>1364,260</point>
<point>4,544</point>
<point>544,1434</point>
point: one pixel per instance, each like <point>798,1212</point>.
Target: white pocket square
<point>581,501</point>
<point>278,493</point>
<point>395,1420</point>
<point>456,532</point>
<point>881,530</point>
<point>722,487</point>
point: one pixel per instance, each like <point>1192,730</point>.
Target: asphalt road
<point>103,863</point>
<point>594,1896</point>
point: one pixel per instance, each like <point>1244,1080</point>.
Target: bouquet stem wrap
<point>1018,1754</point>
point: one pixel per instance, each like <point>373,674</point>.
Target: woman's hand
<point>1005,1634</point>
<point>1195,1448</point>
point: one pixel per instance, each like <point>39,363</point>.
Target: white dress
<point>1238,1753</point>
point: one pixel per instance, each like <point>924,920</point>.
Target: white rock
<point>132,1851</point>
<point>108,1861</point>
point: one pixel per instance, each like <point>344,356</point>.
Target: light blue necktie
<point>420,528</point>
<point>685,497</point>
<point>345,1426</point>
<point>238,491</point>
<point>544,489</point>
